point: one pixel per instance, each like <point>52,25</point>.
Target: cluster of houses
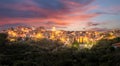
<point>67,37</point>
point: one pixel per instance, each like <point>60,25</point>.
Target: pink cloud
<point>73,11</point>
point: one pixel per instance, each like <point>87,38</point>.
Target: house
<point>117,45</point>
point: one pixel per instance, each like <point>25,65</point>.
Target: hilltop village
<point>84,38</point>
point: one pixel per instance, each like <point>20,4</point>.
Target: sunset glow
<point>63,14</point>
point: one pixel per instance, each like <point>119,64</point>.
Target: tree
<point>3,38</point>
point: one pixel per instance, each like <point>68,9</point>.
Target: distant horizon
<point>28,26</point>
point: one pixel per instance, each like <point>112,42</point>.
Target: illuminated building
<point>87,38</point>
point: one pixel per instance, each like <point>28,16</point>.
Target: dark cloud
<point>6,13</point>
<point>8,1</point>
<point>50,4</point>
<point>38,8</point>
<point>108,13</point>
<point>89,24</point>
<point>98,29</point>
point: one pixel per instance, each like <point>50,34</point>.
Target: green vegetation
<point>75,44</point>
<point>53,53</point>
<point>3,38</point>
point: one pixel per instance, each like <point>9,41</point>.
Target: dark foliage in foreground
<point>3,39</point>
<point>45,53</point>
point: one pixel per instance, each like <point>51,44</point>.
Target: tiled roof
<point>117,44</point>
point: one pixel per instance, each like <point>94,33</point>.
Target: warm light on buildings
<point>12,39</point>
<point>53,28</point>
<point>39,36</point>
<point>12,34</point>
<point>88,39</point>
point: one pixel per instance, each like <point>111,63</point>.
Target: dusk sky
<point>63,14</point>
